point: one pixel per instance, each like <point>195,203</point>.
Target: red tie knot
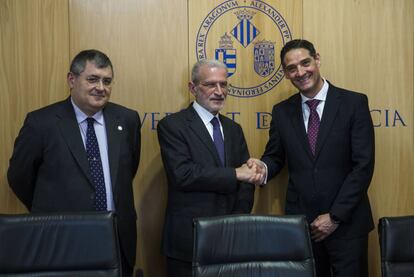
<point>313,103</point>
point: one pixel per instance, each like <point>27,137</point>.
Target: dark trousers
<point>127,270</point>
<point>177,268</point>
<point>341,257</point>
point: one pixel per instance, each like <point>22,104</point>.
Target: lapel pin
<point>120,128</point>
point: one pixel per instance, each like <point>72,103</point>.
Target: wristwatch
<point>334,218</point>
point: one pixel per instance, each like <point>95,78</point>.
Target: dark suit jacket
<point>198,185</point>
<point>49,171</point>
<point>337,179</point>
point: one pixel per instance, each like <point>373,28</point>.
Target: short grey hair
<point>195,71</point>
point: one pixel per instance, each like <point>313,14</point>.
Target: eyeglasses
<point>211,85</point>
<point>95,81</point>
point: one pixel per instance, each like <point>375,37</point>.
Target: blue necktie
<point>313,124</point>
<point>218,139</point>
<point>95,166</point>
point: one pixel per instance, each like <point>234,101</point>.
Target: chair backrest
<point>59,245</point>
<point>396,235</point>
<point>252,245</point>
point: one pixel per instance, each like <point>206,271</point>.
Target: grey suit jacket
<point>336,180</point>
<point>49,171</point>
<point>198,185</point>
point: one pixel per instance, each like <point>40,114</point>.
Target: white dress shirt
<point>321,95</point>
<point>100,131</point>
<point>206,117</point>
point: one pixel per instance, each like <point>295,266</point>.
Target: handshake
<point>253,171</point>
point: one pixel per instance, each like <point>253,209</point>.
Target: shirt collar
<point>204,114</point>
<point>81,116</point>
<point>321,95</point>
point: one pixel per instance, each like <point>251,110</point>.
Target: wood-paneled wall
<point>367,46</point>
<point>34,60</point>
<point>364,45</point>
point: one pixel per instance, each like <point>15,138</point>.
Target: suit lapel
<point>198,127</point>
<point>69,127</point>
<point>328,117</point>
<point>296,115</point>
<point>114,127</point>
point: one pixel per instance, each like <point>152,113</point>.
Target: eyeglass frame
<point>212,85</point>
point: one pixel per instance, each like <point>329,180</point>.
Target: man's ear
<point>318,59</point>
<point>192,88</point>
<point>71,79</point>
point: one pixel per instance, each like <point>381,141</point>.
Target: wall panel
<point>34,59</point>
<point>367,46</point>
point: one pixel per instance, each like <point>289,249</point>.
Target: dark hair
<point>296,44</point>
<point>92,55</point>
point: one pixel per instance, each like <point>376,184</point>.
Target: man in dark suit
<point>81,154</point>
<point>326,136</point>
<point>205,177</point>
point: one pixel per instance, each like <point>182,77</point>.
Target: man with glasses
<point>81,154</point>
<point>204,155</point>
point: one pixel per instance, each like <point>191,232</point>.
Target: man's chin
<point>99,104</point>
<point>216,109</point>
<point>219,107</point>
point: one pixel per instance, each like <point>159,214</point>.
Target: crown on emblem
<point>264,44</point>
<point>226,42</point>
<point>244,14</point>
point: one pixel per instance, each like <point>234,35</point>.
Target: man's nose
<point>100,85</point>
<point>219,89</point>
<point>301,71</point>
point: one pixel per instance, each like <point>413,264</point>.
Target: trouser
<point>341,257</point>
<point>177,268</point>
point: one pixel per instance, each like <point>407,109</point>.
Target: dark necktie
<point>218,139</point>
<point>313,124</point>
<point>95,166</point>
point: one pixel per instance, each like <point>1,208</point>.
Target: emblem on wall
<point>264,58</point>
<point>227,54</point>
<point>245,35</point>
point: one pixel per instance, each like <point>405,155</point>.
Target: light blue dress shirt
<point>100,131</point>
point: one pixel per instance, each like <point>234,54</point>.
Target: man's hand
<point>322,227</point>
<point>260,170</point>
<point>248,174</point>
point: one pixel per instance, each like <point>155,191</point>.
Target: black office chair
<point>396,235</point>
<point>252,245</point>
<point>59,245</point>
